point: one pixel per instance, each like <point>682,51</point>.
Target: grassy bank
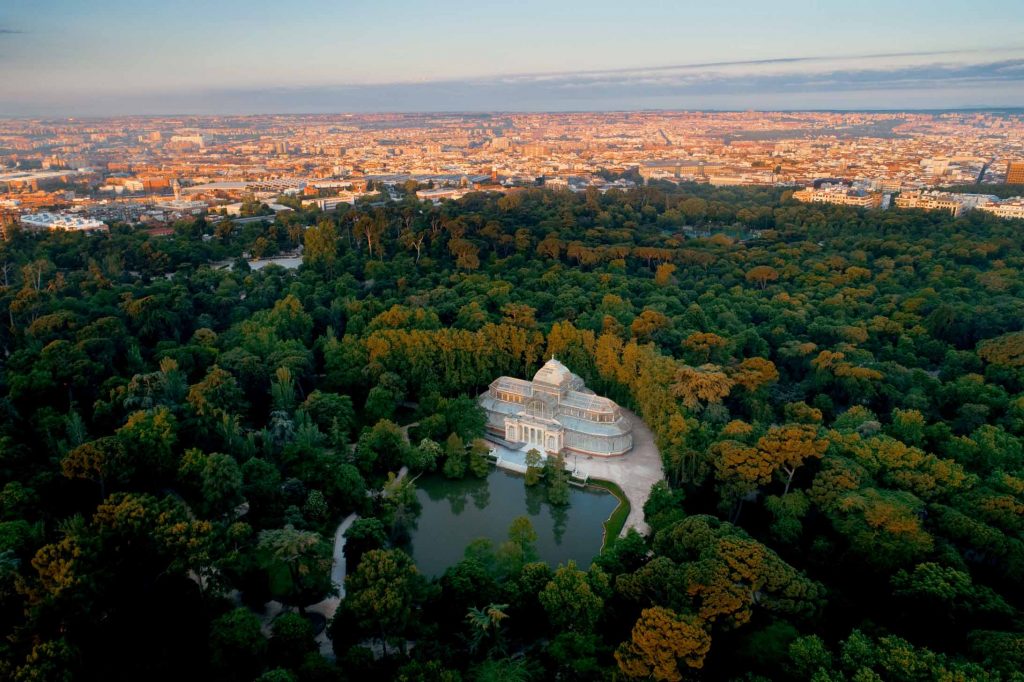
<point>617,519</point>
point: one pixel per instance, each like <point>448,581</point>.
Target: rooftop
<point>554,373</point>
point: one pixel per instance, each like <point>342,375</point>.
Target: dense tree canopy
<point>837,396</point>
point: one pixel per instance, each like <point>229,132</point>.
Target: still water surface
<point>458,512</point>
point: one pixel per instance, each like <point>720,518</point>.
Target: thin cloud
<point>936,74</point>
<point>867,81</point>
<point>10,31</point>
<point>740,62</point>
<point>637,87</point>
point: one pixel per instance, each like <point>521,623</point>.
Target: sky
<point>99,57</point>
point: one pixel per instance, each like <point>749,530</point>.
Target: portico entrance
<point>535,435</point>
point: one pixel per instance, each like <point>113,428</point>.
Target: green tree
<point>222,483</point>
<point>478,462</point>
<point>425,456</point>
<point>557,479</point>
<point>399,506</point>
<point>216,395</point>
<point>485,628</point>
<point>237,646</point>
<point>315,507</point>
<point>521,546</point>
<point>298,564</point>
<point>569,600</point>
<point>321,246</point>
<point>455,460</point>
<point>361,537</point>
<point>808,656</point>
<point>382,594</point>
<point>330,410</point>
<point>148,438</point>
<point>534,468</point>
<point>381,448</point>
<point>291,639</point>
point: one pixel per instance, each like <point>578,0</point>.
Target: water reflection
<point>457,512</point>
<point>456,493</point>
<point>559,521</point>
<point>535,496</point>
<point>481,495</point>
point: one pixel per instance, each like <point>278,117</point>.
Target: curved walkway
<point>329,606</point>
<point>635,472</point>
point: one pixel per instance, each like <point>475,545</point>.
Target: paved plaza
<point>635,472</point>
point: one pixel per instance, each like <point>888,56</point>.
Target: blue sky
<point>97,57</point>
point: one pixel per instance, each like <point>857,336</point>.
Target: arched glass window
<point>538,408</point>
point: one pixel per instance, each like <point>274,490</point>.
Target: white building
<point>193,139</point>
<point>953,203</point>
<point>236,208</point>
<point>839,195</point>
<point>436,195</point>
<point>554,413</point>
<point>1008,208</point>
<point>61,221</point>
<point>183,206</point>
<point>331,203</point>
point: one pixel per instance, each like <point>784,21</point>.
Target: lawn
<point>613,526</point>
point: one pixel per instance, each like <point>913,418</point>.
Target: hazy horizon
<point>514,112</point>
<point>62,58</point>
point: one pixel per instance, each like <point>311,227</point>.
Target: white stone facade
<point>556,413</point>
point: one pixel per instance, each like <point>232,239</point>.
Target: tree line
<point>837,395</point>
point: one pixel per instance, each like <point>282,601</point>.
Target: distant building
<point>277,185</point>
<point>674,168</point>
<point>1015,173</point>
<point>236,208</point>
<point>61,221</point>
<point>183,206</point>
<point>745,178</point>
<point>839,195</point>
<point>555,412</point>
<point>1007,208</point>
<point>436,195</point>
<point>536,150</point>
<point>331,203</point>
<point>194,140</point>
<point>331,184</point>
<point>954,204</point>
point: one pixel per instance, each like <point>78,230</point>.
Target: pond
<point>457,512</point>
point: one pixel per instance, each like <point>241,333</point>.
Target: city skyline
<point>64,59</point>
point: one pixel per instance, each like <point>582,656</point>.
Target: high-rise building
<point>1015,173</point>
